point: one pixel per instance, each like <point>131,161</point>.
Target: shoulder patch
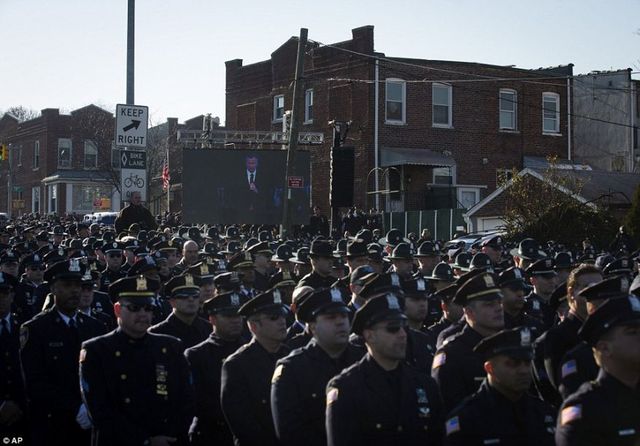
<point>24,336</point>
<point>570,413</point>
<point>569,368</point>
<point>452,425</point>
<point>332,396</point>
<point>439,360</point>
<point>276,373</point>
<point>83,355</point>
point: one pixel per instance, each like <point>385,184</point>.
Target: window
<point>87,198</point>
<point>53,197</point>
<point>468,197</point>
<point>550,113</point>
<point>278,108</point>
<point>35,199</point>
<point>115,157</point>
<point>308,106</point>
<point>90,155</point>
<point>442,175</point>
<point>508,109</point>
<point>503,176</point>
<point>64,152</point>
<point>395,107</point>
<point>442,100</point>
<point>36,154</point>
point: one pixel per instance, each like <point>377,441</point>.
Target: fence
<point>441,222</point>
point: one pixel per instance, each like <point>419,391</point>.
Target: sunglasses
<point>135,308</point>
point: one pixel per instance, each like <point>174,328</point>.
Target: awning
<point>391,156</point>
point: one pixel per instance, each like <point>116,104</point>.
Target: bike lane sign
<point>133,172</point>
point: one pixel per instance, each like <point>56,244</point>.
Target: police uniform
<point>205,359</point>
<point>189,334</point>
<point>444,295</point>
<point>604,411</point>
<point>108,276</point>
<point>246,381</point>
<point>261,281</point>
<point>368,405</point>
<point>489,417</point>
<point>136,388</point>
<point>319,248</point>
<point>50,344</point>
<point>300,379</point>
<point>535,305</point>
<point>457,369</point>
<point>11,384</point>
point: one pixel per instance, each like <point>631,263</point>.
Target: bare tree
<point>22,113</point>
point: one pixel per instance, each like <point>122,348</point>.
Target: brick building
<point>59,163</point>
<point>439,132</point>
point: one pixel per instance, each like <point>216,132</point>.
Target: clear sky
<point>68,53</point>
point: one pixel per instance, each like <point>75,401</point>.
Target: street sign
<point>296,182</point>
<point>131,125</point>
<point>133,173</point>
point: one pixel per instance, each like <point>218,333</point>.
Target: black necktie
<point>251,178</point>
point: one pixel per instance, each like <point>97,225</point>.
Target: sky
<point>69,53</point>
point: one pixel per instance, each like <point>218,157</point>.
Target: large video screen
<point>238,186</point>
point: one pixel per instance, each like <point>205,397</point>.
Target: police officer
<point>113,271</point>
<point>136,384</point>
<point>501,411</point>
<point>183,322</point>
<point>205,359</point>
<point>50,343</point>
<point>542,277</point>
<point>300,379</point>
<point>261,264</point>
<point>402,260</point>
<point>451,312</point>
<point>246,375</point>
<point>322,258</point>
<point>12,397</point>
<point>380,400</point>
<point>607,411</point>
<point>428,257</point>
<point>511,282</point>
<point>457,369</point>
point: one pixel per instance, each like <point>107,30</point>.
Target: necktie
<point>251,179</point>
<point>5,328</point>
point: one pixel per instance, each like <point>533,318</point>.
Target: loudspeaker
<point>341,185</point>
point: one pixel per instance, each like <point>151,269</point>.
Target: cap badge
<point>170,243</point>
<point>141,283</point>
<point>336,296</point>
<point>74,266</point>
<point>624,284</point>
<point>392,302</point>
<point>488,281</point>
<point>525,337</point>
<point>277,299</point>
<point>188,280</point>
<point>247,256</point>
<point>61,251</point>
<point>548,263</point>
<point>204,269</point>
<point>420,285</point>
<point>235,300</point>
<point>395,280</point>
<point>517,274</point>
<point>36,258</point>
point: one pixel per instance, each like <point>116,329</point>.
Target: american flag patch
<point>569,368</point>
<point>452,425</point>
<point>439,359</point>
<point>570,414</point>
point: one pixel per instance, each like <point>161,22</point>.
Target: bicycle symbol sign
<point>134,180</point>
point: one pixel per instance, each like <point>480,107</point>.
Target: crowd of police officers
<point>221,336</point>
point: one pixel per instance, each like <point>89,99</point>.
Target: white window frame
<point>451,170</point>
<point>449,106</point>
<point>308,106</point>
<point>60,165</point>
<point>36,154</point>
<point>546,96</point>
<point>90,144</point>
<point>462,190</point>
<point>35,192</point>
<point>276,108</point>
<point>513,113</point>
<point>404,101</point>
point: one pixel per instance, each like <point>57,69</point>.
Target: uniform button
<point>164,350</point>
<point>313,395</point>
<point>264,401</point>
<point>127,400</point>
<point>426,427</point>
<point>117,353</point>
<point>48,415</point>
<point>400,429</point>
<point>55,357</point>
<point>378,426</point>
<point>123,377</point>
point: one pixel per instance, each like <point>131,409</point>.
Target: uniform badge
<point>336,296</point>
<point>276,373</point>
<point>452,425</point>
<point>188,280</point>
<point>439,360</point>
<point>74,266</point>
<point>570,414</point>
<point>488,281</point>
<point>332,396</point>
<point>204,269</point>
<point>141,283</point>
<point>24,336</point>
<point>569,368</point>
<point>392,302</point>
<point>536,305</point>
<point>525,337</point>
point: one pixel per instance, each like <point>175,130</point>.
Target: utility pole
<point>131,22</point>
<point>296,112</point>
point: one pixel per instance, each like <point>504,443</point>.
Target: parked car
<point>106,218</point>
<point>470,239</point>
